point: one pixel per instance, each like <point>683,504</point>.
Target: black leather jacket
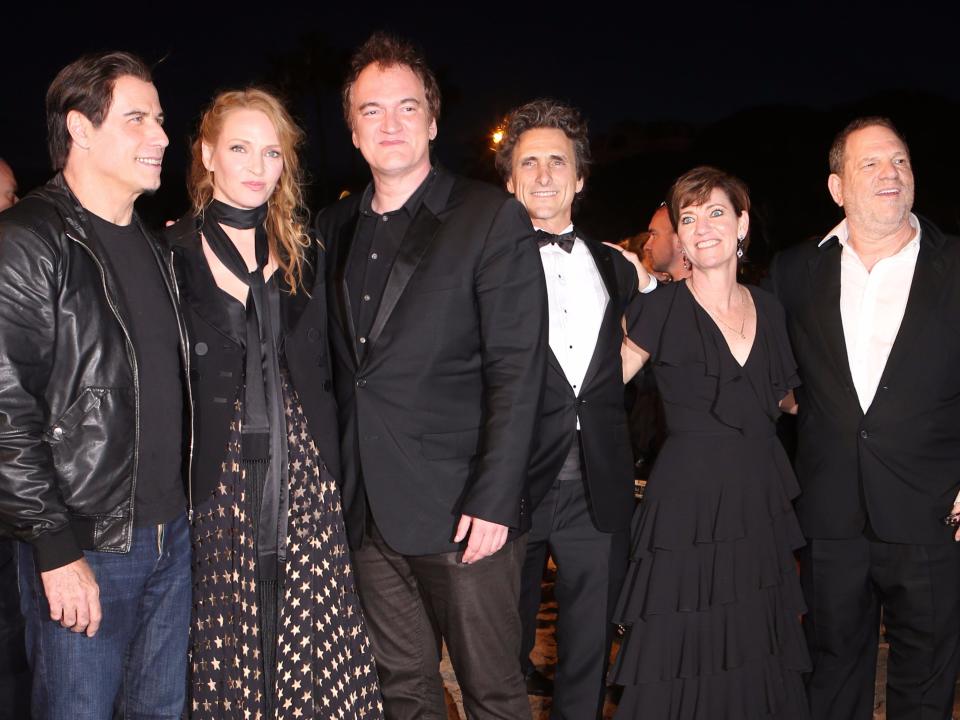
<point>69,396</point>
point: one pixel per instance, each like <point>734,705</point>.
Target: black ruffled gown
<point>712,599</point>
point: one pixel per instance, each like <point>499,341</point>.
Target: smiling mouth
<point>704,244</point>
<point>151,161</point>
<point>888,192</point>
<point>544,193</point>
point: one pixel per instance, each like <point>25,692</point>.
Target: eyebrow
<point>551,156</point>
<point>377,104</point>
<point>131,113</point>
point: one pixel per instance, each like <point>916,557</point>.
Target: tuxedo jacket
<point>607,459</point>
<point>438,411</point>
<point>217,355</point>
<point>897,465</point>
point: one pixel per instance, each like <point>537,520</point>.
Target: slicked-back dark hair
<point>839,146</point>
<point>544,113</point>
<point>86,85</point>
<point>387,51</point>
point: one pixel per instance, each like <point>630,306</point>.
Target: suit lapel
<point>825,277</point>
<point>413,247</point>
<point>925,291</point>
<point>605,268</point>
<point>341,252</point>
<point>416,241</point>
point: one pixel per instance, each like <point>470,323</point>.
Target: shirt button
<point>373,256</point>
<point>864,434</point>
<point>366,298</point>
<point>363,341</point>
<point>386,217</point>
<point>361,382</point>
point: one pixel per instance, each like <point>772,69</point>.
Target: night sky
<point>757,88</point>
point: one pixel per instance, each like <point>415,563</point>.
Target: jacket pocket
<point>443,446</point>
<point>88,401</point>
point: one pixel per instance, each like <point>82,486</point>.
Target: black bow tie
<point>564,241</point>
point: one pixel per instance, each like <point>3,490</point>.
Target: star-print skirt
<point>324,665</point>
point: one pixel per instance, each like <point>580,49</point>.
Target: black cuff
<point>56,548</point>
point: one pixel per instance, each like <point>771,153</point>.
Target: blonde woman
<point>277,629</point>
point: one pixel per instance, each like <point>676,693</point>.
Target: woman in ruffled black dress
<point>277,630</point>
<point>712,600</point>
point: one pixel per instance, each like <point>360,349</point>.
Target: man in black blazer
<point>439,341</point>
<point>874,317</point>
<point>581,473</point>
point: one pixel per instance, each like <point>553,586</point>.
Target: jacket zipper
<point>133,361</point>
<point>186,364</point>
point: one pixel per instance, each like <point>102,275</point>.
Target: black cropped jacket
<point>217,356</point>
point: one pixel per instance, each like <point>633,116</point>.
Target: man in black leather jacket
<point>92,367</point>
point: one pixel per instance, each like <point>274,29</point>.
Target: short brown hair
<point>694,188</point>
<point>839,146</point>
<point>544,113</point>
<point>389,51</point>
<point>86,85</point>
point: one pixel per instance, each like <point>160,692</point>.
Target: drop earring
<point>740,247</point>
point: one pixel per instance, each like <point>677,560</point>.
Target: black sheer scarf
<point>264,420</point>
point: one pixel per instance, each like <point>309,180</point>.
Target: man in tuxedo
<point>872,311</point>
<point>439,346</point>
<point>581,473</point>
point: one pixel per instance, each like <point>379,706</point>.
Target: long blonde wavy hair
<point>285,223</point>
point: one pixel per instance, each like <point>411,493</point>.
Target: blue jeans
<point>137,661</point>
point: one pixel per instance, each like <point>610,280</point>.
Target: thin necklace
<point>715,316</point>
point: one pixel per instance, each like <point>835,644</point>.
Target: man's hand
<point>485,537</point>
<point>74,597</point>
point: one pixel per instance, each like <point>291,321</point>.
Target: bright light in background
<point>497,136</point>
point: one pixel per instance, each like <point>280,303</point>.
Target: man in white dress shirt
<point>580,478</point>
<point>872,311</point>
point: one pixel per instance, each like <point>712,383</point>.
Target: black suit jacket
<point>607,458</point>
<point>217,356</point>
<point>438,412</point>
<point>898,464</point>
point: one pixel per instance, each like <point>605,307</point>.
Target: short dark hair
<point>544,113</point>
<point>86,85</point>
<point>839,146</point>
<point>694,188</point>
<point>389,51</point>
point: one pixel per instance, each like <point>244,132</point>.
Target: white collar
<point>842,232</point>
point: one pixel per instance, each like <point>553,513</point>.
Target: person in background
<point>663,248</point>
<point>8,186</point>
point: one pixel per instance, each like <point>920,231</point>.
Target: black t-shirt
<point>147,311</point>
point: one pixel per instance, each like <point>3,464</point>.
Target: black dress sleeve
<point>647,314</point>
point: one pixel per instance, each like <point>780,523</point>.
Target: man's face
<point>126,151</point>
<point>662,241</point>
<point>391,120</point>
<point>8,187</point>
<point>544,177</point>
<point>875,185</point>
